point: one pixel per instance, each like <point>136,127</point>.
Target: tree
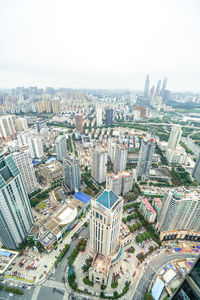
<point>148,296</point>
<point>30,242</point>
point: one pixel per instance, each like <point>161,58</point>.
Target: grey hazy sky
<point>100,43</point>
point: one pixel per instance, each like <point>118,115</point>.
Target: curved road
<point>154,266</point>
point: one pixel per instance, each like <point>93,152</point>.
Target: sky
<point>100,43</point>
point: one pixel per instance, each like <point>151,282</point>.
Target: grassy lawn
<point>41,205</point>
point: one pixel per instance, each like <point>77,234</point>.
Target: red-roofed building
<point>147,211</point>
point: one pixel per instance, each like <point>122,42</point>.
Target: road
<point>191,145</point>
<point>154,266</point>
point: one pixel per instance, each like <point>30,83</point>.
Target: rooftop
<point>107,199</point>
<point>82,197</point>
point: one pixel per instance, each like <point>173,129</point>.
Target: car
<point>45,266</point>
<point>24,287</point>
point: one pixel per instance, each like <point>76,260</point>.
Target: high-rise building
<point>120,159</point>
<point>55,106</point>
<point>7,128</point>
<point>146,87</point>
<point>143,111</point>
<point>196,170</point>
<point>16,217</point>
<point>23,161</point>
<point>61,147</point>
<point>79,123</point>
<point>121,182</point>
<point>35,146</point>
<point>145,157</point>
<point>105,223</point>
<point>162,91</point>
<point>147,211</point>
<point>174,138</point>
<point>158,88</point>
<point>99,165</point>
<point>99,115</point>
<point>109,117</point>
<point>111,149</point>
<point>179,212</point>
<point>21,124</point>
<point>72,176</point>
<point>190,286</point>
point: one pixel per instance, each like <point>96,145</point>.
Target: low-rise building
<point>147,211</point>
<point>51,171</point>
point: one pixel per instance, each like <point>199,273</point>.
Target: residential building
<point>24,163</point>
<point>177,157</point>
<point>21,124</point>
<point>147,211</point>
<point>35,146</point>
<point>143,111</point>
<point>145,157</point>
<point>174,137</point>
<point>79,123</point>
<point>99,115</point>
<point>7,127</point>
<point>99,165</point>
<point>105,224</point>
<point>196,170</point>
<point>157,204</point>
<point>72,176</point>
<point>121,182</point>
<point>16,217</point>
<point>179,212</point>
<point>109,117</point>
<point>61,147</point>
<point>111,149</point>
<point>120,159</point>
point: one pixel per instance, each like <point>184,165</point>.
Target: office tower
<point>146,87</point>
<point>162,91</point>
<point>179,212</point>
<point>174,138</point>
<point>99,165</point>
<point>120,159</point>
<point>109,117</point>
<point>166,95</point>
<point>105,223</point>
<point>196,170</point>
<point>99,115</point>
<point>7,128</point>
<point>151,93</point>
<point>79,123</point>
<point>120,183</point>
<point>158,88</point>
<point>35,146</point>
<point>21,124</point>
<point>61,147</point>
<point>23,161</point>
<point>72,176</point>
<point>16,217</point>
<point>190,287</point>
<point>145,157</point>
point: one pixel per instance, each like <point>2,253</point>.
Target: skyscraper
<point>109,117</point>
<point>99,165</point>
<point>105,223</point>
<point>174,138</point>
<point>23,161</point>
<point>145,157</point>
<point>196,170</point>
<point>61,147</point>
<point>99,115</point>
<point>162,91</point>
<point>146,87</point>
<point>120,159</point>
<point>158,88</point>
<point>16,217</point>
<point>35,146</point>
<point>72,176</point>
<point>7,128</point>
<point>79,123</point>
<point>179,212</point>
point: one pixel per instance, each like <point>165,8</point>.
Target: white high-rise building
<point>23,161</point>
<point>35,146</point>
<point>111,149</point>
<point>7,127</point>
<point>120,159</point>
<point>99,165</point>
<point>179,212</point>
<point>99,115</point>
<point>61,147</point>
<point>175,137</point>
<point>145,157</point>
<point>16,217</point>
<point>21,124</point>
<point>72,176</point>
<point>121,182</point>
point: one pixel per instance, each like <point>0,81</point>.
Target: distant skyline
<point>100,44</point>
